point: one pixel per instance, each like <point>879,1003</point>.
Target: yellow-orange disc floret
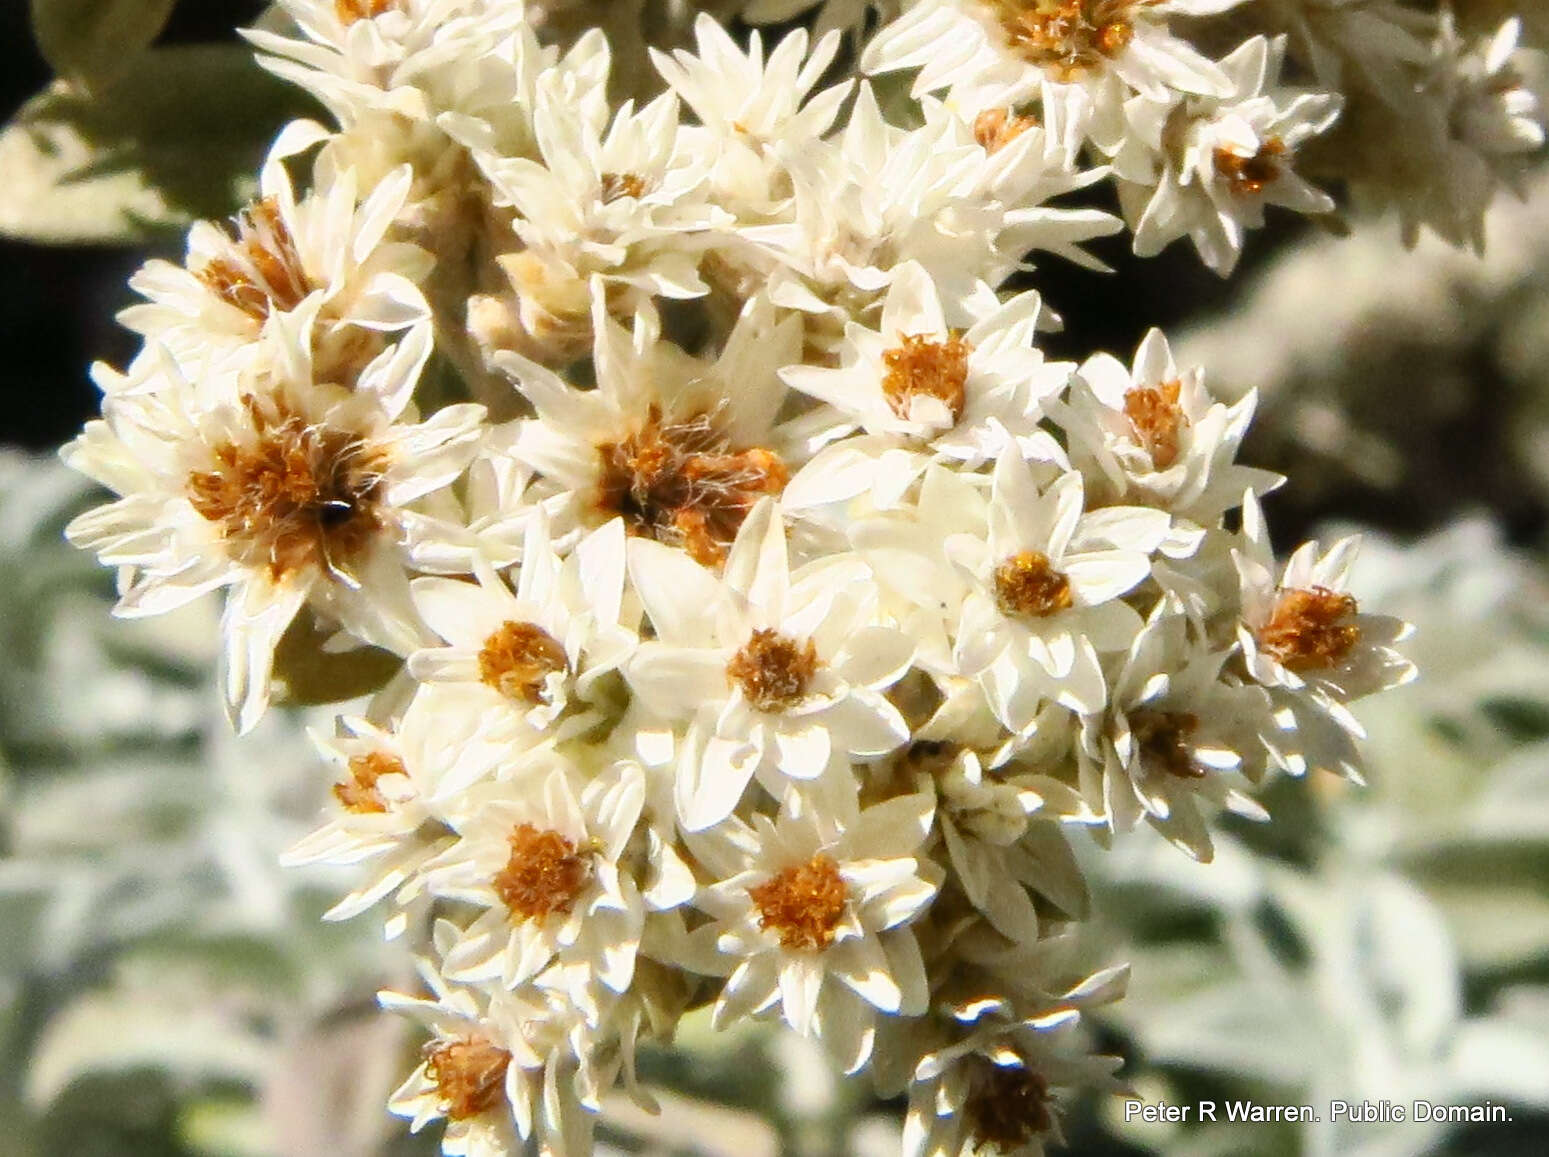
<point>1026,584</point>
<point>1310,629</point>
<point>518,658</point>
<point>360,793</point>
<point>469,1075</point>
<point>294,495</point>
<point>802,904</point>
<point>682,483</point>
<point>774,670</point>
<point>1158,420</point>
<point>923,366</point>
<point>544,874</point>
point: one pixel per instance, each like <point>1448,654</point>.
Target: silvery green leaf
<point>1497,1057</point>
<point>93,42</point>
<point>1410,959</point>
<point>179,138</point>
<point>156,1026</point>
<point>1244,1028</point>
<point>1497,925</point>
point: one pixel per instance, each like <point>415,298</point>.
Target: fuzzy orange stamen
<point>1309,630</point>
<point>802,904</point>
<point>1026,584</point>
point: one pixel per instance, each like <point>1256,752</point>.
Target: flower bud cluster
<point>777,607</point>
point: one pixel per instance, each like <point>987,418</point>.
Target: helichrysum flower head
<point>283,488</point>
<point>757,640</point>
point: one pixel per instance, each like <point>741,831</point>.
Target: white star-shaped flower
<point>781,674</point>
<point>1047,581</point>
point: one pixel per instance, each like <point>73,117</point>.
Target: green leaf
<point>179,137</point>
<point>94,42</point>
<point>309,674</point>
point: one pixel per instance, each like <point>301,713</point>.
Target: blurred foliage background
<point>166,989</point>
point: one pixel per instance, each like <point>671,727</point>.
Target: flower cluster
<point>764,607</point>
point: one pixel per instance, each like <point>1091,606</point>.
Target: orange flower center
<point>469,1075</point>
<point>294,495</point>
<point>261,269</point>
<point>544,874</point>
<point>1310,629</point>
<point>995,128</point>
<point>936,369</point>
<point>1248,176</point>
<point>1068,38</point>
<point>616,185</point>
<point>1162,738</point>
<point>360,793</point>
<point>682,483</point>
<point>1008,1106</point>
<point>774,670</point>
<point>518,658</point>
<point>802,904</point>
<point>1026,584</point>
<point>1157,419</point>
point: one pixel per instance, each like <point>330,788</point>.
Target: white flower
<point>780,673</point>
<point>1307,640</point>
<point>810,914</point>
<point>1152,435</point>
<point>1479,119</point>
<point>1380,40</point>
<point>501,1067</point>
<point>285,489</point>
<point>677,446</point>
<point>486,529</point>
<point>748,105</point>
<point>281,255</point>
<point>1170,737</point>
<point>540,855</point>
<point>1304,631</point>
<point>1080,58</point>
<point>415,58</point>
<point>1045,600</point>
<point>966,394</point>
<point>621,200</point>
<point>877,196</point>
<point>993,1090</point>
<point>1018,172</point>
<point>1002,837</point>
<point>520,656</point>
<point>1224,158</point>
<point>391,796</point>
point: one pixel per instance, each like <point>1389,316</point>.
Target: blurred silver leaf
<point>178,138</point>
<point>94,42</point>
